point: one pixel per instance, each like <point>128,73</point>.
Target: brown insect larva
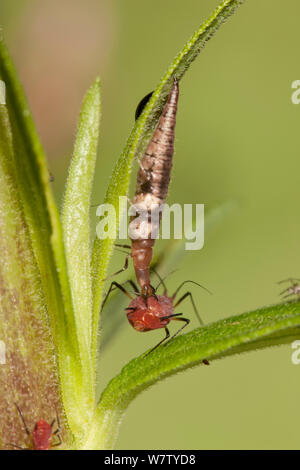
<point>152,188</point>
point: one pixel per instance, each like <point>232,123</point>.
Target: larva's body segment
<point>153,180</point>
<point>154,174</point>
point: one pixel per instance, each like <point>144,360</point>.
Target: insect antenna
<point>164,278</point>
<point>161,280</point>
<point>192,282</point>
<point>23,420</point>
<point>290,279</point>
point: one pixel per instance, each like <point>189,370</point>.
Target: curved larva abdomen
<point>152,185</point>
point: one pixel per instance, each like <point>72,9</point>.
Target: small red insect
<point>156,311</point>
<point>293,289</point>
<point>42,433</point>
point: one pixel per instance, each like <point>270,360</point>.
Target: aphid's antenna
<point>290,279</point>
<point>161,280</point>
<point>23,420</point>
<point>164,278</point>
<point>193,282</point>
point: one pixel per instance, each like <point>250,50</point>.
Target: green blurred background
<point>237,140</point>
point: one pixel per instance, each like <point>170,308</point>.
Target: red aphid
<point>155,313</point>
<point>146,313</point>
<point>41,435</point>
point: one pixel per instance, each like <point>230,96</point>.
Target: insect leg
<point>115,285</point>
<point>189,294</point>
<point>56,434</point>
<point>123,246</point>
<point>288,290</point>
<point>133,285</point>
<point>17,447</point>
<point>171,316</point>
<point>57,431</point>
<point>186,322</point>
<point>289,295</point>
<point>120,270</point>
<point>158,344</point>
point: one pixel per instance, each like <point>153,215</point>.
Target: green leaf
<point>76,223</point>
<point>139,138</point>
<point>34,188</point>
<point>42,219</point>
<point>275,325</point>
<point>28,376</point>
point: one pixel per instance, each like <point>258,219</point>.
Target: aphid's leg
<point>59,442</point>
<point>133,285</point>
<point>189,294</point>
<point>115,285</point>
<point>158,344</point>
<point>294,288</point>
<point>290,294</point>
<point>23,420</point>
<point>17,447</point>
<point>186,322</point>
<point>123,246</point>
<point>289,290</point>
<point>120,270</point>
<point>185,282</point>
<point>171,316</point>
<point>57,431</point>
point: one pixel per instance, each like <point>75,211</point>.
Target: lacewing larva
<point>148,311</point>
